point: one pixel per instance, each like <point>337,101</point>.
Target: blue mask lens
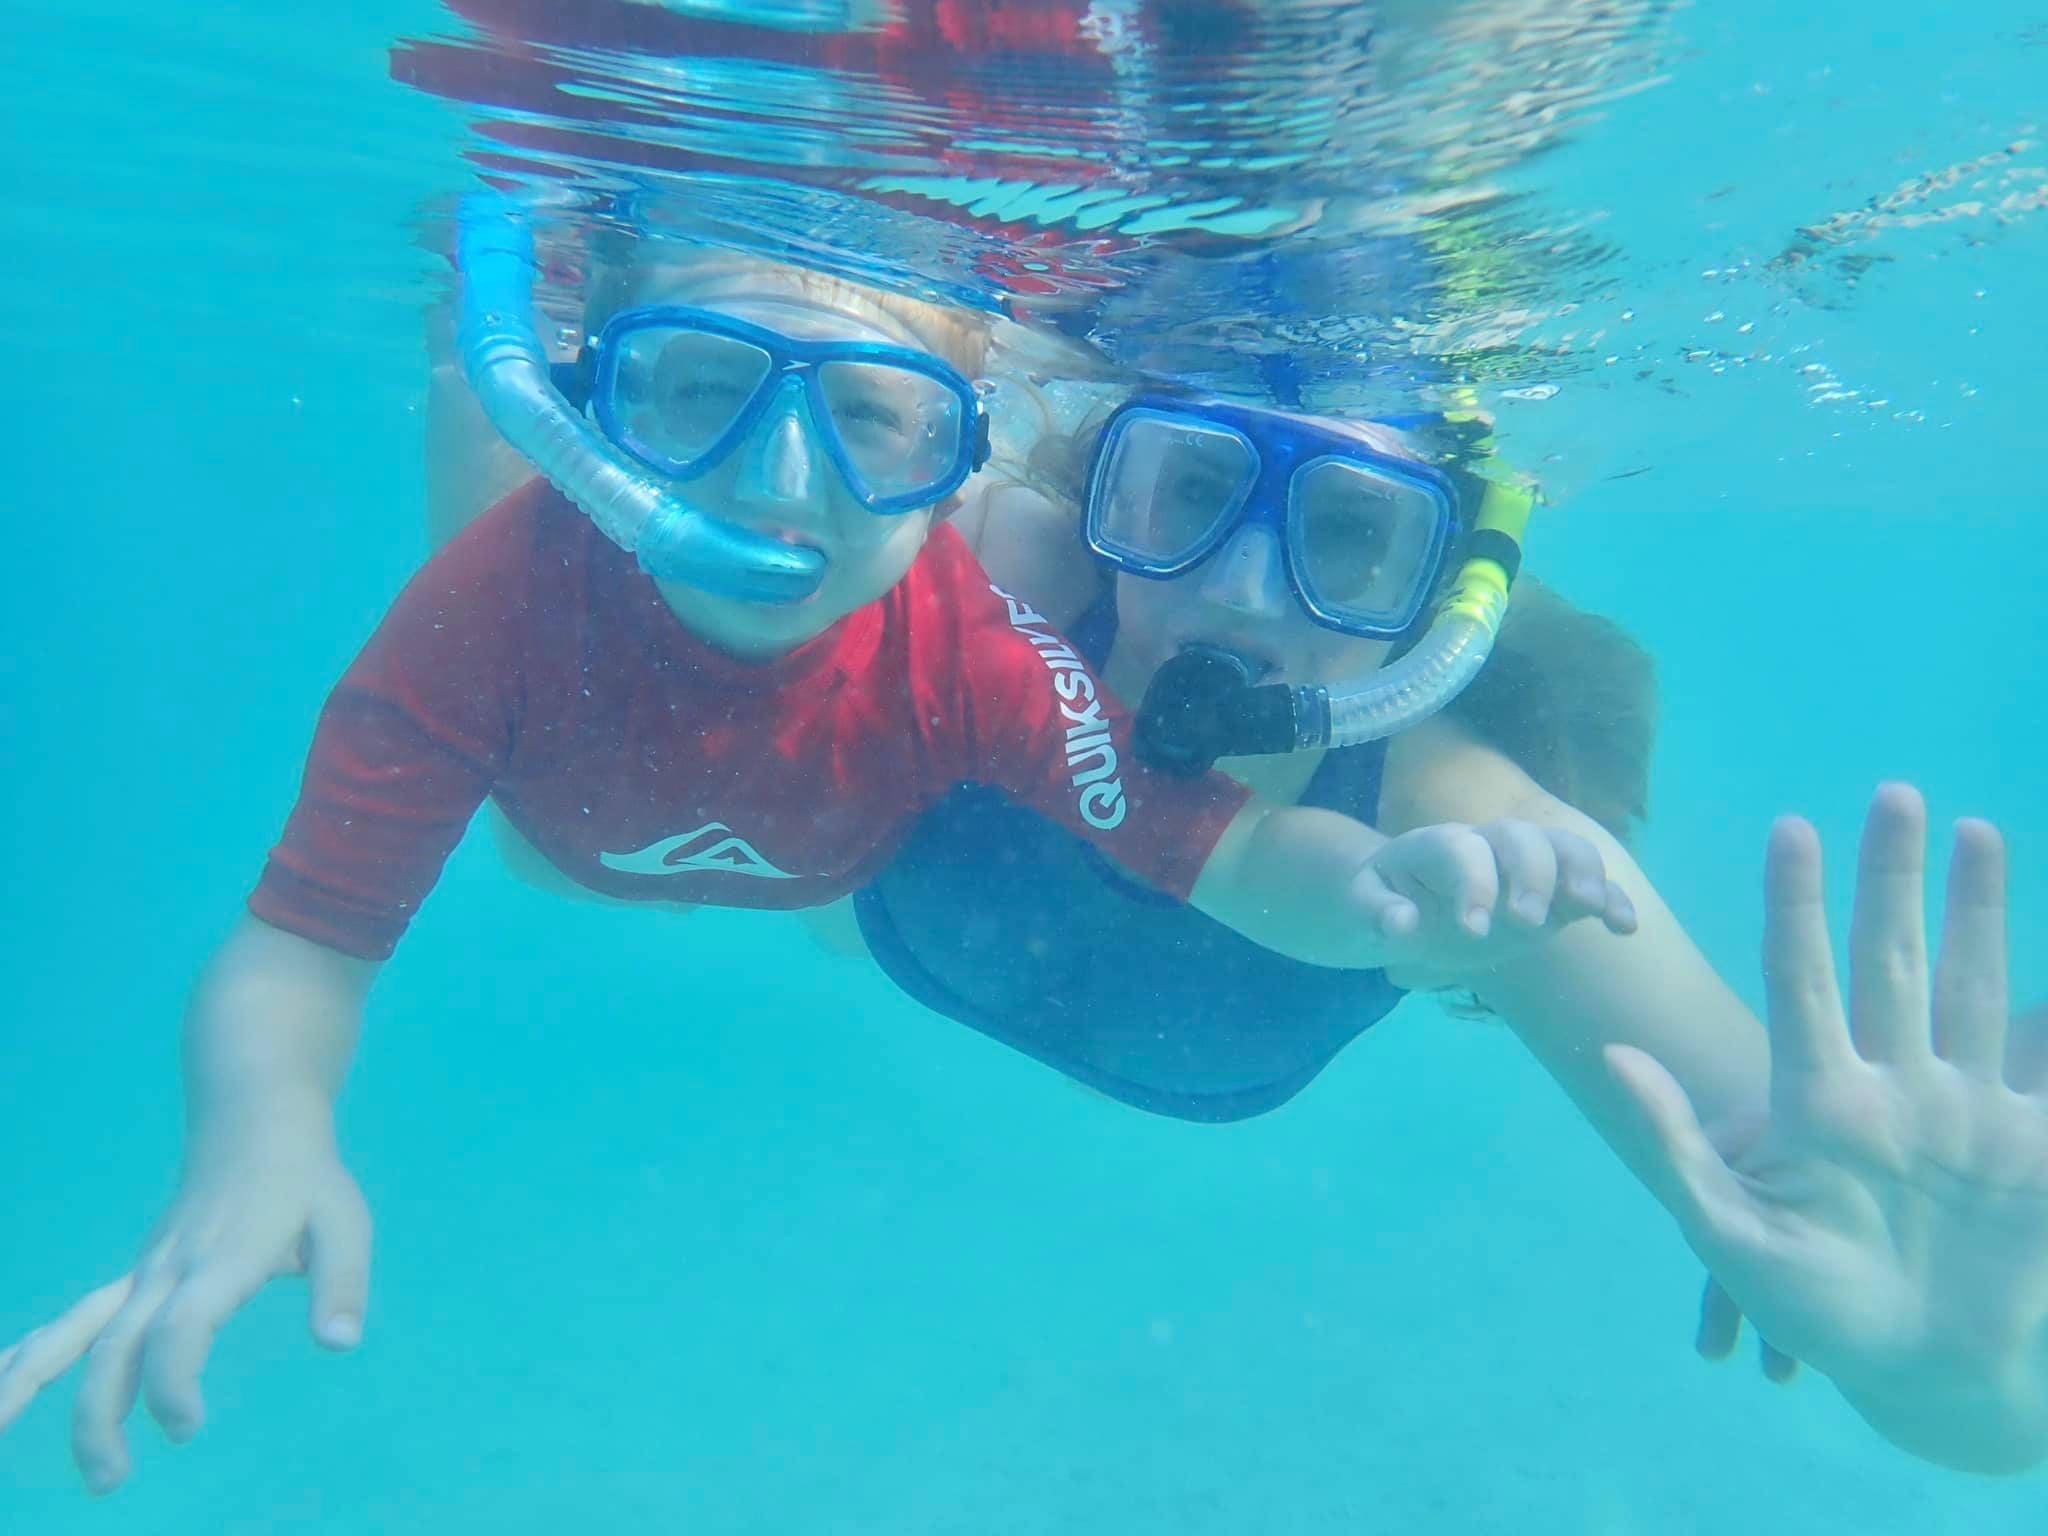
<point>1365,542</point>
<point>1166,489</point>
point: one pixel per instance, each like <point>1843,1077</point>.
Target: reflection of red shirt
<point>531,661</point>
<point>566,81</point>
<point>914,44</point>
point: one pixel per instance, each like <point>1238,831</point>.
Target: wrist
<point>227,1117</point>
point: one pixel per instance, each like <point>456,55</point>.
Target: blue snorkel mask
<point>674,390</point>
<point>679,388</point>
<point>1364,535</point>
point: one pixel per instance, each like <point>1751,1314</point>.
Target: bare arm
<point>1288,878</point>
<point>1326,890</point>
<point>273,1022</point>
<point>1588,988</point>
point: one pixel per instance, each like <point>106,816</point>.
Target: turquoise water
<point>689,1227</point>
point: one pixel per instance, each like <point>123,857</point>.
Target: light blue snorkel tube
<point>508,370</point>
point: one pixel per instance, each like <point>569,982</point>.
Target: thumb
<point>338,1266</point>
<point>1685,1173</point>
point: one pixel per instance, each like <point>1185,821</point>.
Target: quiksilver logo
<point>687,852</point>
<point>1091,753</point>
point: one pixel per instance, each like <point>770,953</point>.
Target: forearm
<point>1284,877</point>
<point>1588,989</point>
<point>270,1032</point>
<point>1585,988</point>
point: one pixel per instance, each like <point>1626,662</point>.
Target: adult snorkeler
<point>1250,574</point>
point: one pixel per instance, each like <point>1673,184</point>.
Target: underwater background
<point>694,1227</point>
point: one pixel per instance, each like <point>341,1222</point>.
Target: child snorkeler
<point>740,699</point>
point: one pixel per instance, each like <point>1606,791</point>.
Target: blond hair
<point>626,270</point>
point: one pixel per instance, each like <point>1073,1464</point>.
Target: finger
<point>1720,1323</point>
<point>1392,913</point>
<point>2026,1052</point>
<point>1526,868</point>
<point>1808,1032</point>
<point>1582,878</point>
<point>181,1335</point>
<point>1888,994</point>
<point>1618,912</point>
<point>53,1349</point>
<point>112,1374</point>
<point>1452,871</point>
<point>1778,1366</point>
<point>339,1268</point>
<point>1686,1173</point>
<point>1970,1000</point>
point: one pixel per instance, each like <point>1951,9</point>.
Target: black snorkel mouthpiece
<point>1203,705</point>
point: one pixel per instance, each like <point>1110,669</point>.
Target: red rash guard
<point>531,661</point>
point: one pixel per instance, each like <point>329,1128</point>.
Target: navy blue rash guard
<point>1007,923</point>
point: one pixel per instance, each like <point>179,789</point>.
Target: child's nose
<point>1245,575</point>
<point>779,460</point>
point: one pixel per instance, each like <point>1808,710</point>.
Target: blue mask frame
<point>600,364</point>
<point>1280,447</point>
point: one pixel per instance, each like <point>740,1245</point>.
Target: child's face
<point>780,480</point>
<point>1240,600</point>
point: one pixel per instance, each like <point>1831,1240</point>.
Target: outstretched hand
<point>1889,1223</point>
<point>1455,899</point>
<point>271,1204</point>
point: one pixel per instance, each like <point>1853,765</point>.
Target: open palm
<point>1889,1224</point>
